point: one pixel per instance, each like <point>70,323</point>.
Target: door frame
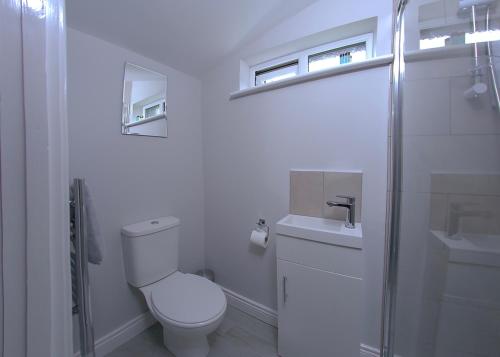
<point>49,316</point>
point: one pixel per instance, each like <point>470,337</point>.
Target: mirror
<point>144,110</point>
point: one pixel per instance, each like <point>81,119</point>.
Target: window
<point>336,57</point>
<point>276,73</point>
<point>153,109</point>
<point>314,59</point>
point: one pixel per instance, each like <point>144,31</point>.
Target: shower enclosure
<point>442,293</point>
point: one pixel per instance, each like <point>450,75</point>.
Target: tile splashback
<point>306,193</point>
<point>309,191</point>
<point>474,192</point>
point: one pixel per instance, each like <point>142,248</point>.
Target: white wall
<point>152,128</point>
<point>325,14</point>
<point>251,143</point>
<point>132,178</point>
<point>248,147</point>
<point>13,181</point>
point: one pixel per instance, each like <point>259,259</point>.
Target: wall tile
<point>438,68</point>
<point>306,193</point>
<point>431,14</point>
<point>487,219</point>
<point>342,183</point>
<point>438,211</point>
<point>424,155</point>
<point>476,192</point>
<point>472,184</point>
<point>452,9</point>
<point>426,109</point>
<point>472,116</point>
<point>431,11</point>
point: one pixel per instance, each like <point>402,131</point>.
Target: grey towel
<point>95,243</point>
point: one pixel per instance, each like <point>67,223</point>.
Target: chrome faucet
<point>457,212</point>
<point>350,204</point>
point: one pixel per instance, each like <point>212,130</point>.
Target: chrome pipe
<point>476,52</point>
<point>87,348</point>
<point>395,187</point>
<point>491,67</point>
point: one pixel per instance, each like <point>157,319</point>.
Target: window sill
<point>343,69</point>
<point>144,121</point>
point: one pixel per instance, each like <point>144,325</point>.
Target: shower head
<point>476,90</point>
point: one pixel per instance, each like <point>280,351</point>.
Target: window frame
<point>302,57</point>
<point>275,68</point>
<point>160,102</point>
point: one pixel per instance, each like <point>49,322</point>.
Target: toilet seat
<point>187,300</point>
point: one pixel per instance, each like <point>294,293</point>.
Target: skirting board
<point>132,328</point>
<point>252,308</point>
<point>270,316</point>
<point>122,334</point>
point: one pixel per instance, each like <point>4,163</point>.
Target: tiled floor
<point>238,336</point>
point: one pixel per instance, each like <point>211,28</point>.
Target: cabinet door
<point>318,312</point>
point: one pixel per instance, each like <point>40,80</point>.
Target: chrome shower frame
<point>394,194</point>
<point>395,186</point>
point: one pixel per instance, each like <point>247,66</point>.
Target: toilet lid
<point>188,299</point>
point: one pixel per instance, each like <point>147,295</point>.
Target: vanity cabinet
<point>320,291</point>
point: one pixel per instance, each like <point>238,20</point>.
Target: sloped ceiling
<point>189,35</point>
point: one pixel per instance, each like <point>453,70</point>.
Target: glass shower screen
<point>448,261</point>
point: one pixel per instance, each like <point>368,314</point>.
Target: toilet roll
<point>259,237</point>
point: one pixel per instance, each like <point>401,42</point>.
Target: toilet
<point>189,307</point>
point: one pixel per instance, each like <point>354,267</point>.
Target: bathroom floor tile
<point>228,341</point>
<point>142,345</point>
<point>256,344</point>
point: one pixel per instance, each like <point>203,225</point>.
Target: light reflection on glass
<point>333,59</point>
<point>482,36</point>
<point>466,38</point>
<point>279,78</point>
<point>36,5</point>
<point>434,42</point>
<point>278,73</point>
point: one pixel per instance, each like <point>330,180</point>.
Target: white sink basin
<point>322,230</point>
<point>472,248</point>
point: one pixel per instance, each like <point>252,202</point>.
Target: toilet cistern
<point>350,204</point>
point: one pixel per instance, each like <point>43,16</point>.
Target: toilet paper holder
<point>262,225</point>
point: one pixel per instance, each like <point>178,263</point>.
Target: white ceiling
<point>190,35</point>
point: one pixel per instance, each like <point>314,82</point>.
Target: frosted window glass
<point>337,56</point>
<point>277,73</point>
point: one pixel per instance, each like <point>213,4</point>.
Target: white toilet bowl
<point>189,308</point>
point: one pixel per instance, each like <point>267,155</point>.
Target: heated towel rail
<point>79,262</point>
